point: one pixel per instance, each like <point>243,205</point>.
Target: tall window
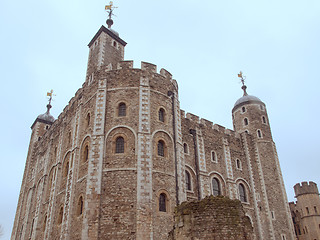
<point>213,156</point>
<point>238,162</point>
<point>242,193</point>
<point>122,110</point>
<point>216,190</point>
<point>119,145</point>
<point>188,181</point>
<point>88,120</point>
<point>245,121</point>
<point>259,134</point>
<point>44,223</point>
<point>161,115</point>
<point>60,216</point>
<point>66,169</point>
<point>80,206</point>
<point>264,119</point>
<point>243,109</point>
<point>161,148</point>
<point>162,202</point>
<point>86,153</point>
<point>185,148</point>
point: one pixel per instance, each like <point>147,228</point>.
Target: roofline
<point>110,33</point>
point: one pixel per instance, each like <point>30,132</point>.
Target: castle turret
<point>250,119</point>
<point>250,115</point>
<point>306,211</point>
<point>106,49</point>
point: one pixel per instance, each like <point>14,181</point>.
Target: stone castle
<point>122,155</point>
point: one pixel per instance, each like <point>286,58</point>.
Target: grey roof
<point>246,98</point>
<point>46,117</point>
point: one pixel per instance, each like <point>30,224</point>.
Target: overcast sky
<point>204,44</point>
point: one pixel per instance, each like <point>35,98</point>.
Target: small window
<point>86,153</point>
<point>261,108</point>
<point>243,109</point>
<point>185,148</point>
<point>246,131</point>
<point>188,181</point>
<point>307,210</point>
<point>66,169</point>
<point>39,138</point>
<point>162,202</point>
<point>161,148</point>
<point>264,120</point>
<point>216,190</point>
<point>114,43</point>
<point>161,114</point>
<point>315,209</point>
<point>242,193</point>
<point>88,120</point>
<point>47,127</point>
<point>120,145</point>
<point>238,163</point>
<point>122,110</point>
<point>214,156</point>
<point>80,206</point>
<point>245,121</point>
<point>44,223</point>
<point>259,133</point>
<point>60,216</point>
<point>272,215</point>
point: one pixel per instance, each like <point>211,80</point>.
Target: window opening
<point>185,148</point>
<point>80,206</point>
<point>242,192</point>
<point>307,210</point>
<point>238,164</point>
<point>245,121</point>
<point>264,119</point>
<point>120,145</point>
<point>162,202</point>
<point>86,154</point>
<point>161,148</point>
<point>216,190</point>
<point>259,134</point>
<point>122,110</point>
<point>188,181</point>
<point>243,109</point>
<point>315,209</point>
<point>213,156</point>
<point>161,115</point>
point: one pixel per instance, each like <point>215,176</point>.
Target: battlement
<point>208,124</point>
<point>305,188</point>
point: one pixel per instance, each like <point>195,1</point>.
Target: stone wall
<point>211,218</point>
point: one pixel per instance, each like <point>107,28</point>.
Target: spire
<point>49,94</point>
<point>244,87</point>
<point>109,8</point>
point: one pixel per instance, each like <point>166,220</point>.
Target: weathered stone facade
<point>306,211</point>
<point>211,218</point>
<point>122,155</point>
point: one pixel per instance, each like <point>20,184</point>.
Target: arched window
<point>264,119</point>
<point>80,206</point>
<point>86,153</point>
<point>122,110</point>
<point>119,145</point>
<point>243,109</point>
<point>242,193</point>
<point>66,169</point>
<point>162,202</point>
<point>161,114</point>
<point>245,121</point>
<point>188,181</point>
<point>213,156</point>
<point>238,162</point>
<point>161,148</point>
<point>60,216</point>
<point>216,190</point>
<point>259,134</point>
<point>185,148</point>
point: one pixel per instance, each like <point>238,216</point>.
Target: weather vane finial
<point>50,95</point>
<point>242,79</point>
<point>109,8</point>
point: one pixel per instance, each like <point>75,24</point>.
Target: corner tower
<point>306,211</point>
<point>105,49</point>
<point>250,119</point>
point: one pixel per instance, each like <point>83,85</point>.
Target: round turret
<point>46,116</point>
<point>249,115</point>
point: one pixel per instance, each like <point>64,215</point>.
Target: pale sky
<point>204,44</point>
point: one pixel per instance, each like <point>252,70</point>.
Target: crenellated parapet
<point>208,124</point>
<point>306,188</point>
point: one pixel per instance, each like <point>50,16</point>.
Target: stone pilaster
<point>93,192</point>
<point>144,164</point>
<point>232,190</point>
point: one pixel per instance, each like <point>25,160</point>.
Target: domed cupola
<point>249,115</point>
<point>46,117</point>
